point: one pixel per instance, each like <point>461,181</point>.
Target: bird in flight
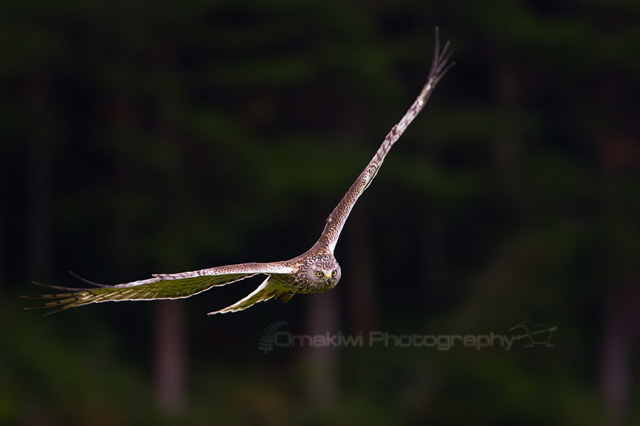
<point>314,271</point>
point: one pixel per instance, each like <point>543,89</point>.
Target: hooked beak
<point>328,279</point>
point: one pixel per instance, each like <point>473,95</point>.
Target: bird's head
<point>322,273</point>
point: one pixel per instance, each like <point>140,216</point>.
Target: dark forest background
<point>158,136</point>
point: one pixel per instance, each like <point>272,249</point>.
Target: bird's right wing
<point>264,292</point>
<point>161,286</point>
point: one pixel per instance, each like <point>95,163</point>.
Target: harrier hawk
<point>314,271</point>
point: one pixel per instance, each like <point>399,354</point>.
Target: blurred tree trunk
<point>621,326</point>
<point>361,278</point>
<point>39,175</point>
<point>1,246</point>
<point>435,271</point>
<point>321,361</point>
<point>171,356</point>
<point>508,144</point>
<point>356,239</point>
<point>618,154</point>
<point>616,358</point>
<point>171,336</point>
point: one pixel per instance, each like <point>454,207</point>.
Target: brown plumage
<point>312,272</point>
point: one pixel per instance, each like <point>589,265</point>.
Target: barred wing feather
<point>161,286</point>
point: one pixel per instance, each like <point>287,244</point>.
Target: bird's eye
<point>334,274</point>
<point>319,274</point>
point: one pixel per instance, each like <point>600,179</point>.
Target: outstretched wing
<point>264,292</point>
<point>338,217</point>
<point>161,286</point>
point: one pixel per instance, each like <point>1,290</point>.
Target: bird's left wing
<point>160,286</point>
<point>338,217</point>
